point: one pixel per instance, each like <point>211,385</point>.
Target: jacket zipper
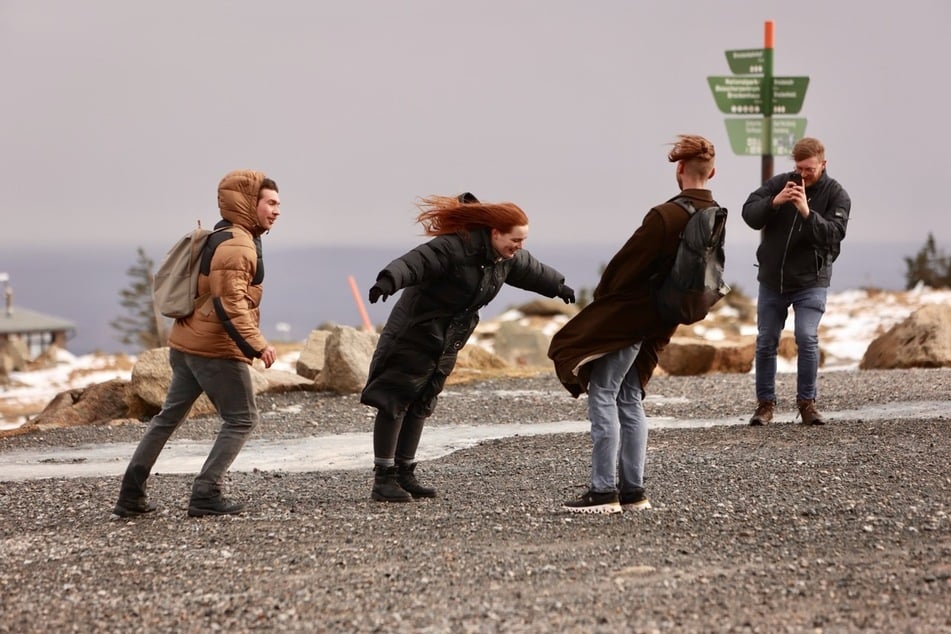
<point>782,265</point>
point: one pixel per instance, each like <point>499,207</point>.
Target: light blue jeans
<point>618,423</point>
<point>772,308</point>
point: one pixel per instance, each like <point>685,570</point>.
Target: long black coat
<point>446,281</point>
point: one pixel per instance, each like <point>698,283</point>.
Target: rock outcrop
<point>923,340</point>
<point>347,357</point>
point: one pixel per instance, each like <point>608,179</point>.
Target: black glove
<point>566,293</point>
<point>376,293</point>
<point>382,289</point>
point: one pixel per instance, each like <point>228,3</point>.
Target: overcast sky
<point>118,118</point>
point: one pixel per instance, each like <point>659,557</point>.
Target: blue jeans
<point>228,385</point>
<point>772,308</point>
<point>618,423</point>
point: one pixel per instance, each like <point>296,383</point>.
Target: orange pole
<point>367,324</point>
<point>769,39</point>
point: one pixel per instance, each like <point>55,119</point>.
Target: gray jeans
<point>228,385</point>
<point>618,422</point>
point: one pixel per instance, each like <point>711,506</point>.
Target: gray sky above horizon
<point>119,118</point>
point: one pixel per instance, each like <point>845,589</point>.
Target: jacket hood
<point>238,199</point>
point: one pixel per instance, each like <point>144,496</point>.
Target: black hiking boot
<point>208,500</point>
<point>218,505</point>
<point>133,500</point>
<point>138,508</point>
<point>406,478</point>
<point>386,487</point>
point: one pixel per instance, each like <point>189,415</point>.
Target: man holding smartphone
<point>802,218</point>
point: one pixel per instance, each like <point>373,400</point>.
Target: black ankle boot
<point>407,478</point>
<point>214,506</point>
<point>133,501</point>
<point>209,501</point>
<point>385,486</point>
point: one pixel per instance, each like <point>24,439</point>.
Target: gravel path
<point>842,528</point>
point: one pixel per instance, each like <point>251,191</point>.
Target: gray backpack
<point>694,282</point>
<point>175,285</point>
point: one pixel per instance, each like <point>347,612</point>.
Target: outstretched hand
<point>567,294</point>
<point>376,293</point>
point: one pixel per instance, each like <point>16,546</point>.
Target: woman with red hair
<point>475,248</point>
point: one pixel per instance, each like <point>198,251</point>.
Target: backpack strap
<point>216,237</point>
<point>684,203</point>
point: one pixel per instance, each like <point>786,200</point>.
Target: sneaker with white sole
<point>635,500</point>
<point>594,502</point>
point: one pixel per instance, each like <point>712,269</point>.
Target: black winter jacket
<point>793,253</point>
<point>446,281</point>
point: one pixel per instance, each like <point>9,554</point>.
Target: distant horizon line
<point>575,244</point>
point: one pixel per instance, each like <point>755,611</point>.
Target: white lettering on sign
<point>745,109</point>
<point>749,82</point>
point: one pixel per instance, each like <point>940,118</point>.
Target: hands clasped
<point>795,194</point>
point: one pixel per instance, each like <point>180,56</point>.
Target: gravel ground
<point>786,528</point>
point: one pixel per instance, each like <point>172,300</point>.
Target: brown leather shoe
<point>810,415</point>
<point>763,413</point>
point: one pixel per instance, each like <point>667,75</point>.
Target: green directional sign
<point>744,95</point>
<point>750,61</point>
<point>737,95</point>
<point>788,94</point>
<point>746,135</point>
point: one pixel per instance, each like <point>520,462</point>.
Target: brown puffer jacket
<point>226,325</point>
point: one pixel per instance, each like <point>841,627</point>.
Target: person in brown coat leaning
<point>610,348</point>
<point>211,350</point>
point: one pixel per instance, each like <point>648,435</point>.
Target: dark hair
<point>441,215</point>
<point>267,183</point>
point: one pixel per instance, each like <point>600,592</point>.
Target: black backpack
<point>687,291</point>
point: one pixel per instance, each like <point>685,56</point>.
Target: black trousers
<point>397,437</point>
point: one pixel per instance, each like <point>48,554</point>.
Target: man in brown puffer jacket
<point>211,350</point>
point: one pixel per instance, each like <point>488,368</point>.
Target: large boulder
<point>475,362</point>
<point>96,404</point>
<point>151,376</point>
<point>347,356</point>
<point>923,340</point>
<point>312,355</point>
<point>686,356</point>
<point>520,344</point>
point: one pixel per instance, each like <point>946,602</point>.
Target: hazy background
<point>118,119</point>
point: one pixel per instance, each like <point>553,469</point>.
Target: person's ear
<point>713,172</point>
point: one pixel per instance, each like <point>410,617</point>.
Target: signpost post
<point>753,90</point>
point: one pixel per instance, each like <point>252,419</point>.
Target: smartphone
<point>796,178</point>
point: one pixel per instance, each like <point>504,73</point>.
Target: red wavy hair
<point>441,215</point>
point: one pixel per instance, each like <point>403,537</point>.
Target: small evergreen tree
<point>929,266</point>
<point>141,326</point>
